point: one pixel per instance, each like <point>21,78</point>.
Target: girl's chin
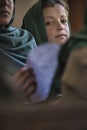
<point>61,42</point>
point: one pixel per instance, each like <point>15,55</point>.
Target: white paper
<point>44,61</point>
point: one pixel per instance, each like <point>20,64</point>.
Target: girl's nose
<point>59,25</point>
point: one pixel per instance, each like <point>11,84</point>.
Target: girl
<point>47,20</point>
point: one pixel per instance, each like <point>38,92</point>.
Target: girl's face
<point>6,12</point>
<point>56,22</point>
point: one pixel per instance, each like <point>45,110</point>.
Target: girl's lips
<point>60,36</point>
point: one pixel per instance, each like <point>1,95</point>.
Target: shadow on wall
<point>21,9</point>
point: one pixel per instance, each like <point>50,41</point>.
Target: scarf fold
<point>15,44</point>
<point>33,21</point>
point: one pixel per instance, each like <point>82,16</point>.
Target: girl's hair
<point>51,3</point>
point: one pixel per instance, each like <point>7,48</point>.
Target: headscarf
<point>15,44</point>
<point>34,20</point>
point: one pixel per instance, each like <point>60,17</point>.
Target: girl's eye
<point>64,21</point>
<point>48,23</point>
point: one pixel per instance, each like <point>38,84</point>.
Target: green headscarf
<point>15,44</point>
<point>34,20</point>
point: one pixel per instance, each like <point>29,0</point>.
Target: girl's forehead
<point>56,10</point>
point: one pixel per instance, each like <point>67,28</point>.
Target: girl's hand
<point>24,82</point>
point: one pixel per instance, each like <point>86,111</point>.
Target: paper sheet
<point>44,61</point>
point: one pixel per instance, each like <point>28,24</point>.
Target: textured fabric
<point>15,44</point>
<point>34,22</point>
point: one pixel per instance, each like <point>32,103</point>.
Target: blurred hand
<point>24,82</point>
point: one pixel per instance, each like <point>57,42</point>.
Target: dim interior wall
<point>22,7</point>
<point>77,9</point>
